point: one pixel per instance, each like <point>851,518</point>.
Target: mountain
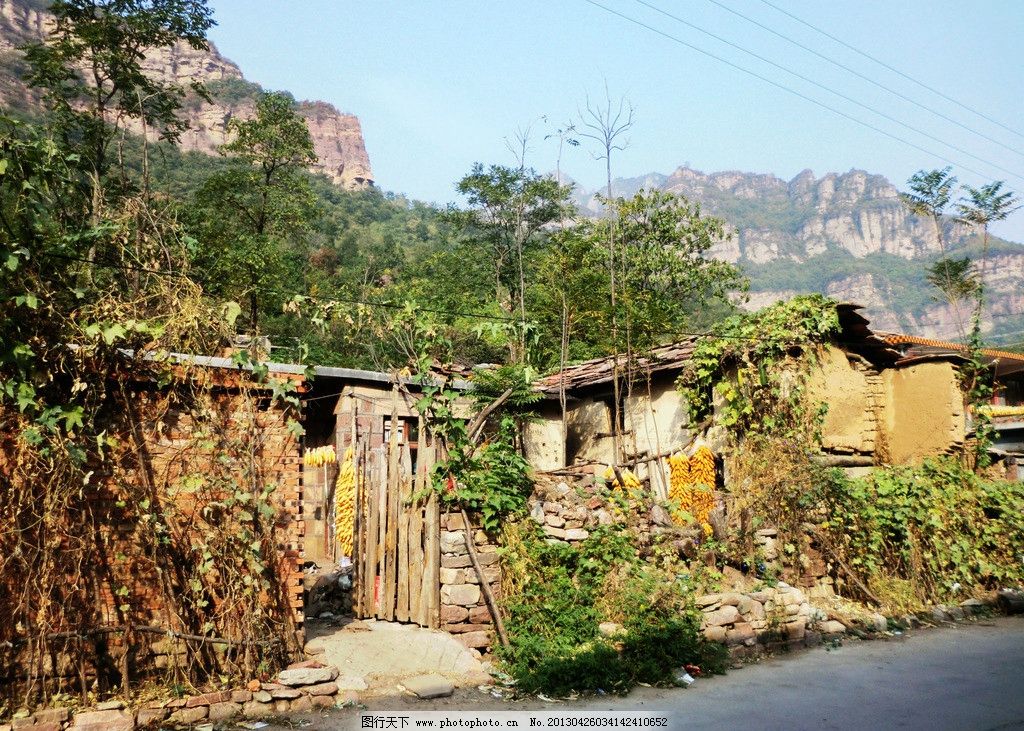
<point>337,136</point>
<point>846,235</point>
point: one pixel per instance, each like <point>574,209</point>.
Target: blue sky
<point>440,85</point>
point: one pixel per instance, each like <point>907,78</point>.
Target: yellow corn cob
<point>691,485</point>
<point>631,480</point>
<point>345,504</point>
<point>319,456</point>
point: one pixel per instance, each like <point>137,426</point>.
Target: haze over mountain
<point>846,235</point>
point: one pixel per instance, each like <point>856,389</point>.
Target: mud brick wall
<point>464,611</point>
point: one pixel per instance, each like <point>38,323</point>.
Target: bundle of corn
<point>691,486</point>
<point>631,480</point>
<point>320,456</point>
<point>702,472</point>
<point>345,504</point>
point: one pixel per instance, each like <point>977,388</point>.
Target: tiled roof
<point>900,339</point>
<point>600,370</point>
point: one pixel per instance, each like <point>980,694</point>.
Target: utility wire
<point>866,78</point>
<point>890,68</point>
<point>673,333</point>
<point>285,293</point>
<point>785,88</point>
<point>824,87</point>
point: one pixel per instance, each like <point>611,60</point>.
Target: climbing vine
<point>751,370</point>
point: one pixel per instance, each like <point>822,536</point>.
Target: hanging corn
<point>345,504</point>
<point>320,456</point>
<point>692,487</point>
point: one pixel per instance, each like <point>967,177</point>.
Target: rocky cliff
<point>847,235</point>
<point>337,136</point>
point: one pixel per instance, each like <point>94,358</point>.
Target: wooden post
<point>389,583</point>
<point>402,573</point>
<point>485,587</point>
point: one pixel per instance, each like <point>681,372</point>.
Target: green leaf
<point>112,333</point>
<point>231,311</point>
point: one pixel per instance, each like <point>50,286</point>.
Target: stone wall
<point>302,687</point>
<point>770,617</point>
<point>464,611</point>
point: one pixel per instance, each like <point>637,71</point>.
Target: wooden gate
<point>397,547</point>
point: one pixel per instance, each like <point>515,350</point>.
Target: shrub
<point>561,593</point>
<point>939,526</point>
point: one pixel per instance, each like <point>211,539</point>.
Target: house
<point>1007,406</point>
<point>885,406</point>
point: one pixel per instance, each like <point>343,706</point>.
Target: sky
<point>440,85</point>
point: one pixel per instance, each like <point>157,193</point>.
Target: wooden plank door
<point>398,546</point>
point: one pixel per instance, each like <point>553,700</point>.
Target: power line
<point>826,88</point>
<point>890,68</point>
<point>785,88</point>
<point>866,78</point>
<point>286,293</point>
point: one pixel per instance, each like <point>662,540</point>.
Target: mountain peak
<point>337,136</point>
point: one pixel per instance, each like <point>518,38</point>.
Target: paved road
<point>963,677</point>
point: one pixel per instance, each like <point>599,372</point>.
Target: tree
<point>984,206</point>
<point>509,211</point>
<point>90,68</point>
<point>247,214</point>
<point>606,124</point>
<point>929,196</point>
<point>667,277</point>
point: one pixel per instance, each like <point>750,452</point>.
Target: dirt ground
<point>964,676</point>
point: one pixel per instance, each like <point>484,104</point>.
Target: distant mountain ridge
<point>847,235</point>
<point>337,136</point>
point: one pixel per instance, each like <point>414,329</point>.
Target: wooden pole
<point>485,587</point>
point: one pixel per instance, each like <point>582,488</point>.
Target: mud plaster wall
<point>588,432</point>
<point>923,413</point>
<point>656,421</point>
<point>542,439</point>
<point>853,391</point>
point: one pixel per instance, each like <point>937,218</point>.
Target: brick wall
<point>128,535</point>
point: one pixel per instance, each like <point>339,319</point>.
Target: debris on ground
<point>428,686</point>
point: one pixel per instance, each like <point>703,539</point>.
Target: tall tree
<point>984,206</point>
<point>509,210</point>
<point>248,213</point>
<point>91,71</point>
<point>929,196</point>
<point>667,277</point>
<point>605,124</point>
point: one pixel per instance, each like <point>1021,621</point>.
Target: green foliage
<point>509,209</point>
<point>666,273</point>
<point>955,277</point>
<point>493,481</point>
<point>756,364</point>
<point>565,592</point>
<point>492,478</point>
<point>930,193</point>
<point>90,70</point>
<point>937,526</point>
<point>246,215</point>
